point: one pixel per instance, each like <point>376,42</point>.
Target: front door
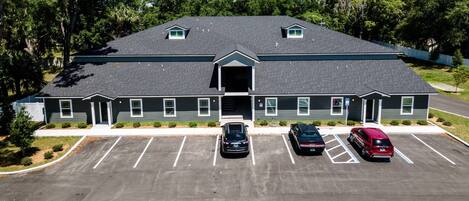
<point>103,112</point>
<point>370,104</point>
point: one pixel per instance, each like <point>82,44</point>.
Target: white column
<point>253,79</point>
<point>109,117</point>
<point>93,114</point>
<point>253,108</point>
<point>219,108</point>
<point>219,77</point>
<point>364,111</point>
<point>380,103</point>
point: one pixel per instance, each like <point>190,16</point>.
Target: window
<point>169,107</point>
<point>270,106</point>
<point>407,105</point>
<point>66,110</point>
<point>176,34</point>
<point>136,108</point>
<point>204,107</point>
<point>303,106</point>
<point>295,32</point>
<point>337,105</point>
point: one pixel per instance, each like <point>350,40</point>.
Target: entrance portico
<point>372,106</point>
<point>101,109</point>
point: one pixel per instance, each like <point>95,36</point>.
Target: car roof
<point>304,127</point>
<point>375,133</point>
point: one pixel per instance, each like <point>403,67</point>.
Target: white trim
<point>304,95</point>
<point>164,107</point>
<point>219,78</point>
<point>100,113</point>
<point>236,93</point>
<point>341,106</point>
<point>253,108</point>
<point>93,114</point>
<point>253,78</point>
<point>131,108</point>
<point>276,106</point>
<point>298,106</point>
<point>372,92</point>
<point>363,111</point>
<point>234,52</point>
<point>71,108</point>
<point>380,107</point>
<point>177,37</point>
<point>97,94</point>
<point>190,96</point>
<point>198,107</point>
<point>175,26</point>
<point>295,29</point>
<point>109,118</point>
<point>412,106</point>
<point>295,24</point>
<point>219,108</point>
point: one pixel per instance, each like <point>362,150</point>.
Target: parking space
<point>337,151</point>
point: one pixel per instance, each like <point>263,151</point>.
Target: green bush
<point>66,125</point>
<point>351,123</point>
<point>440,119</point>
<point>422,122</point>
<point>48,155</point>
<point>57,147</point>
<point>263,123</point>
<point>50,126</point>
<point>136,124</point>
<point>431,115</point>
<point>119,125</point>
<point>82,125</point>
<point>192,124</point>
<point>317,123</point>
<point>282,123</point>
<point>447,123</point>
<point>211,124</point>
<point>26,161</point>
<point>394,123</point>
<point>331,123</point>
<point>172,124</point>
<point>406,122</point>
<point>156,124</point>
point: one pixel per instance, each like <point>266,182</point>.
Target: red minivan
<point>373,142</point>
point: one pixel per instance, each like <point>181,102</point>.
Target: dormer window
<point>294,31</point>
<point>176,32</point>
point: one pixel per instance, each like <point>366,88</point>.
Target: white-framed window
<point>66,110</point>
<point>136,108</point>
<point>303,106</point>
<point>204,107</point>
<point>176,34</point>
<point>337,105</point>
<point>169,107</point>
<point>407,105</point>
<point>270,106</point>
<point>295,32</point>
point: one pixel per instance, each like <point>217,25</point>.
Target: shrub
<point>172,124</point>
<point>440,119</point>
<point>211,124</point>
<point>351,123</point>
<point>66,125</point>
<point>422,122</point>
<point>48,155</point>
<point>394,123</point>
<point>26,161</point>
<point>50,126</point>
<point>331,123</point>
<point>406,122</point>
<point>119,125</point>
<point>447,123</point>
<point>156,124</point>
<point>57,147</point>
<point>263,123</point>
<point>82,125</point>
<point>192,124</point>
<point>317,123</point>
<point>136,124</point>
<point>431,115</point>
<point>282,123</point>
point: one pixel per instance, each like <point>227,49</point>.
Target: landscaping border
<point>451,135</point>
<point>47,164</point>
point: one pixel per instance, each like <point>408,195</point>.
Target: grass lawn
<point>460,125</point>
<point>8,152</point>
<point>431,72</point>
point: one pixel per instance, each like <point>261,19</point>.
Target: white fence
<point>422,55</point>
<point>32,105</point>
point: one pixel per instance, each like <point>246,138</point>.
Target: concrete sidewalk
<point>216,131</point>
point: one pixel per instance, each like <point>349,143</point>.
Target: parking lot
<point>425,167</point>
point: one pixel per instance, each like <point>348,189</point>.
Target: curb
<point>452,135</point>
<point>47,164</point>
<point>449,112</point>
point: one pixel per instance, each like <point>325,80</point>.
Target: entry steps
<point>235,118</point>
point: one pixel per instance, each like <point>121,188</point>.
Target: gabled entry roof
<point>235,49</point>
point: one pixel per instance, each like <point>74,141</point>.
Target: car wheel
<point>349,138</point>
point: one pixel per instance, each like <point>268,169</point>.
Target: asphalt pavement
<point>442,102</point>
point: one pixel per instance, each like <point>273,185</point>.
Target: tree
<point>6,117</point>
<point>458,59</point>
<point>461,75</point>
<point>21,131</point>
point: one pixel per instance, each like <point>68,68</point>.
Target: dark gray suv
<point>235,139</point>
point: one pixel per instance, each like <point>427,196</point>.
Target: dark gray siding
<point>186,110</point>
<point>392,108</point>
<point>81,111</point>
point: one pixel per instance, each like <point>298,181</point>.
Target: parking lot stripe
<point>252,151</point>
<point>355,160</point>
<point>338,155</point>
<point>288,149</point>
<point>179,153</point>
<point>333,148</point>
<point>330,141</point>
<point>216,150</point>
<point>107,152</point>
<point>143,152</point>
<point>443,156</point>
<point>407,159</point>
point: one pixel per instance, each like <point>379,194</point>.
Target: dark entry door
<point>369,110</point>
<point>103,112</point>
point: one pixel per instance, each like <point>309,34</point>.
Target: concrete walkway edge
<point>452,135</point>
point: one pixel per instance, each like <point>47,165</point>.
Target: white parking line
<point>107,152</point>
<point>143,152</point>
<point>216,150</point>
<point>288,149</point>
<point>355,160</point>
<point>179,152</point>
<point>337,146</point>
<point>434,149</point>
<point>338,155</point>
<point>330,141</point>
<point>407,159</point>
<point>252,151</point>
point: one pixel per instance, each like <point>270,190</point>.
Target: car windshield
<point>235,132</point>
<point>381,142</point>
<point>310,131</point>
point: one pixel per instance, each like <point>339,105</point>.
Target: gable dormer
<point>294,31</point>
<point>176,32</point>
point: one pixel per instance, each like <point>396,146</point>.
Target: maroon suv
<point>373,142</point>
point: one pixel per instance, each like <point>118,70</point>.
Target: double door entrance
<point>102,112</point>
